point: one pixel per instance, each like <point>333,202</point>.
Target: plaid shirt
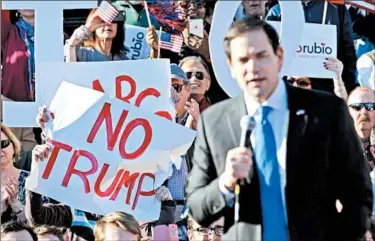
<point>176,183</point>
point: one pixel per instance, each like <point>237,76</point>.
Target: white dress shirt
<point>279,120</point>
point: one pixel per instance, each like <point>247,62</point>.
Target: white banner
<point>144,83</point>
<point>106,153</point>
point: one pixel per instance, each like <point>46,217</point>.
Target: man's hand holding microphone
<point>239,162</point>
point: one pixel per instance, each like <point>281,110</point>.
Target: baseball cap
<point>178,73</point>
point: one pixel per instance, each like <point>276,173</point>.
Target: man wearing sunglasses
<point>361,104</point>
<point>302,82</point>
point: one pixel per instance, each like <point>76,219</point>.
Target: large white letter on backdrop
<point>291,33</point>
<point>48,48</point>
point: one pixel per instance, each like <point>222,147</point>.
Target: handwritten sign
<point>48,48</point>
<point>143,83</point>
<point>105,151</point>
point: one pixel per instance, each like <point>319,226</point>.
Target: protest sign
<point>48,48</point>
<point>143,83</point>
<point>302,56</point>
<point>105,152</point>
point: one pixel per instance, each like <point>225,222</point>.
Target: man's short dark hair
<point>249,25</point>
<point>17,226</point>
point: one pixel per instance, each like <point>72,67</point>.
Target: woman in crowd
<point>117,226</point>
<point>12,179</point>
<point>197,72</point>
<point>332,64</point>
<point>97,40</point>
<point>17,49</point>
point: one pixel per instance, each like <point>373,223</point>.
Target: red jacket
<point>14,61</point>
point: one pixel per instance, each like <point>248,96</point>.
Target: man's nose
<point>364,111</point>
<point>252,66</point>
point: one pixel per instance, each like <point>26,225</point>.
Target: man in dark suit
<point>305,154</point>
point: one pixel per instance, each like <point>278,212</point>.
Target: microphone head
<point>247,123</point>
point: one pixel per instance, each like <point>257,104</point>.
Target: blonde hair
<point>13,139</point>
<point>122,220</point>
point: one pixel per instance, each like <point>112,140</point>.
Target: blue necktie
<point>274,224</point>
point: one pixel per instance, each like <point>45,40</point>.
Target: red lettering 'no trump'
<point>139,189</point>
<point>57,146</point>
<point>146,141</point>
<point>82,174</point>
<point>99,181</point>
<point>112,136</point>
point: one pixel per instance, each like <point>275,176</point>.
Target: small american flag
<point>171,42</point>
<point>107,12</point>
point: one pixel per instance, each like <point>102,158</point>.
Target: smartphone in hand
<point>173,232</point>
<point>161,233</point>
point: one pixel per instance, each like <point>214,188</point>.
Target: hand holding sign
<point>41,152</point>
<point>334,65</point>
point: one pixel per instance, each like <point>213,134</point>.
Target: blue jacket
<point>339,16</point>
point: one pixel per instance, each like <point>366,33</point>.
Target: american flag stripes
<point>107,12</point>
<point>171,42</point>
<point>368,5</point>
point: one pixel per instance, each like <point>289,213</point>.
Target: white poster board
<point>291,31</point>
<point>48,48</point>
<point>144,83</point>
<point>106,152</point>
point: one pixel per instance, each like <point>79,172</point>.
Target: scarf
<point>27,35</point>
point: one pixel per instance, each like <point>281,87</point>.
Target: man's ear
<point>229,62</point>
<point>280,57</point>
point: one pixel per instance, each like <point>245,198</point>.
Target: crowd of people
<point>26,215</point>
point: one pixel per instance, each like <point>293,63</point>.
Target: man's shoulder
<point>322,99</point>
<point>215,113</point>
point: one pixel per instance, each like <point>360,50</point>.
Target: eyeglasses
<point>206,231</point>
<point>358,106</point>
<point>178,87</point>
<point>300,82</point>
<point>5,143</point>
<point>199,75</point>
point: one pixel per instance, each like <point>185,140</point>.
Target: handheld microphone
<point>247,126</point>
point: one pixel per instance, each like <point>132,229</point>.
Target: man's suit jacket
<point>324,163</point>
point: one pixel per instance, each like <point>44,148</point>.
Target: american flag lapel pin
<point>300,112</point>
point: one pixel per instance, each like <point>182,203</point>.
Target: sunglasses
<point>178,87</point>
<point>206,231</point>
<point>199,75</point>
<point>359,106</point>
<point>5,143</point>
<point>300,82</point>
